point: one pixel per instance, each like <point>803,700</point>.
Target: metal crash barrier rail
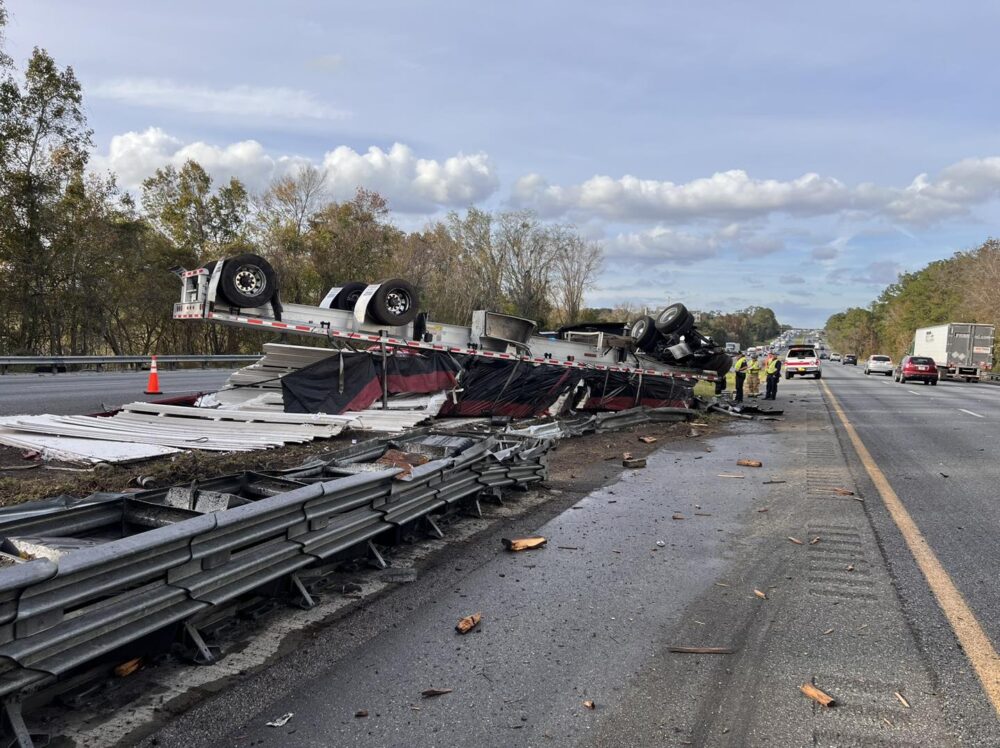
<point>58,615</point>
<point>61,362</point>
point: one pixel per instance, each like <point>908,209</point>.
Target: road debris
<point>428,693</point>
<point>660,544</point>
<point>815,540</point>
<point>361,713</point>
<point>943,475</point>
<point>568,547</point>
<point>127,668</point>
<point>702,650</point>
<point>522,544</point>
<point>763,509</point>
<point>677,515</point>
<point>721,584</point>
<point>648,439</point>
<point>729,475</point>
<point>590,704</point>
<point>760,594</point>
<point>902,699</point>
<point>827,632</point>
<point>282,720</point>
<point>773,482</point>
<point>634,462</point>
<point>795,540</point>
<point>850,567</point>
<point>816,695</point>
<point>702,514</point>
<point>750,463</point>
<point>886,720</point>
<point>843,492</point>
<point>465,625</point>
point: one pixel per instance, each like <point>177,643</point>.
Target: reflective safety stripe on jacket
<point>741,363</point>
<point>773,365</point>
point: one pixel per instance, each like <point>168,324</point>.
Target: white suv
<point>879,364</point>
<point>802,361</point>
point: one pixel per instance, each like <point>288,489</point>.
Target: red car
<point>916,369</point>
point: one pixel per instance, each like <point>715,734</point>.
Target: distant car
<point>801,360</point>
<point>849,358</point>
<point>916,369</point>
<point>834,357</point>
<point>879,364</point>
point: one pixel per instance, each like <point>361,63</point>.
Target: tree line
<point>84,265</point>
<point>961,288</point>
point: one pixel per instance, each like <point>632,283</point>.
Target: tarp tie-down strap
<point>340,373</point>
<point>510,377</point>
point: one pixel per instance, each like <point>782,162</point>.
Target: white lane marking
<point>913,392</point>
<point>971,413</point>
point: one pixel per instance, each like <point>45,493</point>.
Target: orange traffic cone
<point>153,385</point>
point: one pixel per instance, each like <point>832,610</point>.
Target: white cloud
<point>662,244</point>
<point>880,273</point>
<point>257,102</point>
<point>734,195</point>
<point>410,184</point>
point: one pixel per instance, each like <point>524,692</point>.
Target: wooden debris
<point>590,704</point>
<point>127,668</point>
<point>762,510</point>
<point>465,625</point>
<point>843,492</point>
<point>678,516</point>
<point>702,514</point>
<point>760,594</point>
<point>850,567</point>
<point>634,462</point>
<point>522,544</point>
<point>702,650</point>
<point>727,475</point>
<point>816,695</point>
<point>827,632</point>
<point>648,439</point>
<point>721,584</point>
<point>902,699</point>
<point>815,540</point>
<point>431,692</point>
<point>795,540</point>
<point>361,713</point>
<point>772,482</point>
<point>750,463</point>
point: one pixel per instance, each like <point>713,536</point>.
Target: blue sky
<point>782,154</point>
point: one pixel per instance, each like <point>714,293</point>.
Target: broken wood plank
<point>430,692</point>
<point>634,462</point>
<point>750,463</point>
<point>795,540</point>
<point>589,704</point>
<point>816,695</point>
<point>522,544</point>
<point>728,475</point>
<point>466,624</point>
<point>902,699</point>
<point>843,492</point>
<point>760,594</point>
<point>648,439</point>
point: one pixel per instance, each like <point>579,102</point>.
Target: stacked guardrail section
<point>56,616</point>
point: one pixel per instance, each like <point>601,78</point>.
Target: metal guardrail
<point>54,362</point>
<point>58,615</point>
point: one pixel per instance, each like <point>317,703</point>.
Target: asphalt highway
<point>797,569</point>
<point>79,393</point>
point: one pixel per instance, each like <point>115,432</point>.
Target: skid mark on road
<point>976,644</point>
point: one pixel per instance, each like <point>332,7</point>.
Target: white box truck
<point>961,350</point>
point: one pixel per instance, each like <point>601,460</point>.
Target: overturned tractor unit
<point>379,343</point>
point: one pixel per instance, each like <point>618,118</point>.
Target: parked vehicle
<point>961,350</point>
<point>802,361</point>
<point>732,347</point>
<point>916,369</point>
<point>834,357</point>
<point>879,364</point>
<point>849,358</point>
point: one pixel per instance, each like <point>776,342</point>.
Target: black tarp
<point>614,390</point>
<point>509,388</point>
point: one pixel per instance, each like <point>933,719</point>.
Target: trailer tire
<point>348,296</point>
<point>644,332</point>
<point>248,281</point>
<point>395,303</point>
<point>674,319</point>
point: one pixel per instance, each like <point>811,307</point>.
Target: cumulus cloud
<point>411,184</point>
<point>663,244</point>
<point>256,102</point>
<point>791,279</point>
<point>880,273</point>
<point>735,195</point>
<point>825,253</point>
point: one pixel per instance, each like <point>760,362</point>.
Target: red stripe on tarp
<point>426,383</point>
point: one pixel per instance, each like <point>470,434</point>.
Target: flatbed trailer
<point>491,335</point>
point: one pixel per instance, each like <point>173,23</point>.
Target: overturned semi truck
<point>498,365</point>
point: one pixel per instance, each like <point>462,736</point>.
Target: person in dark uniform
<point>742,363</point>
<point>772,370</point>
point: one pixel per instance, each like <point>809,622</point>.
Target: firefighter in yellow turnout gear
<point>753,377</point>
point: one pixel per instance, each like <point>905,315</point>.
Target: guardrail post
<point>13,720</point>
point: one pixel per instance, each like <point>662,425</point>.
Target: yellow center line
<point>976,644</point>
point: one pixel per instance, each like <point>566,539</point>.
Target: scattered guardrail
<point>55,363</point>
<point>59,615</point>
